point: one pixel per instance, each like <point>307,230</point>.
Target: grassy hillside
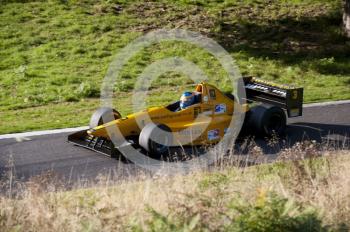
<point>54,54</point>
<point>309,195</point>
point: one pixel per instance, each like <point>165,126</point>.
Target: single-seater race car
<point>204,121</point>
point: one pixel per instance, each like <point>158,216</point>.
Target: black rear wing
<point>286,97</point>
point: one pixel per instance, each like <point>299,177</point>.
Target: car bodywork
<point>204,122</point>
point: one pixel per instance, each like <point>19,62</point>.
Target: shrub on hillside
<point>269,212</point>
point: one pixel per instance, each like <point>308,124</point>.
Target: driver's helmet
<point>187,99</point>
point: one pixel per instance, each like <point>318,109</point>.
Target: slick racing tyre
<point>156,139</point>
<point>103,115</point>
<point>266,120</point>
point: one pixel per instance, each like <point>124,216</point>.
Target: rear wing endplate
<point>286,97</point>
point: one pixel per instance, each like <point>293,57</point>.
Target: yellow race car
<point>204,121</point>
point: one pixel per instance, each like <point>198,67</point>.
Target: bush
<point>273,213</point>
<point>269,212</point>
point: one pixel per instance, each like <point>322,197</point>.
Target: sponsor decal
<point>295,95</point>
<point>220,108</point>
<point>213,134</point>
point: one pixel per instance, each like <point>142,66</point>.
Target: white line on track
<point>344,102</point>
<point>66,130</point>
<point>45,132</point>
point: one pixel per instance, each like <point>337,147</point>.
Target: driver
<point>187,99</point>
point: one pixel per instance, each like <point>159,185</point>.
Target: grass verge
<point>54,54</point>
<point>302,195</point>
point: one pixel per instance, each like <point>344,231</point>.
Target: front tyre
<point>156,139</point>
<point>103,115</point>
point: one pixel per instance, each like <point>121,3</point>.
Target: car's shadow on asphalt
<point>327,136</point>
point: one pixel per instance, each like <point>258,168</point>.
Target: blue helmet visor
<point>186,100</point>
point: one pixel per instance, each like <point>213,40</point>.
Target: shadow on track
<point>329,136</point>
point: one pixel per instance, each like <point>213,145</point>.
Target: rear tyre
<point>103,115</point>
<point>267,120</point>
<point>156,139</point>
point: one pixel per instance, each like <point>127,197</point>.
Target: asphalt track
<point>29,155</point>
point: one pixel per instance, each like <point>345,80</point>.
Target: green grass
<point>54,55</point>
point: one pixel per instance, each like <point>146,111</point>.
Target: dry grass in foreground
<point>307,195</point>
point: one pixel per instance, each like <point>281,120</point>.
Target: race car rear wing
<point>286,97</point>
